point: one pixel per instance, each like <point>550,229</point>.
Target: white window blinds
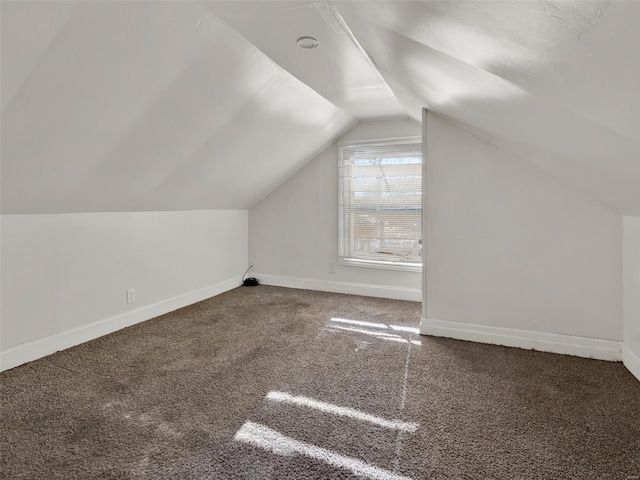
<point>380,203</point>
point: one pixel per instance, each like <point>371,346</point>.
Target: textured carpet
<point>268,382</point>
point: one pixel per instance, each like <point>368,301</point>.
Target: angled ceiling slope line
<point>111,121</point>
<point>576,53</point>
<point>599,161</point>
<point>337,69</point>
<point>162,102</point>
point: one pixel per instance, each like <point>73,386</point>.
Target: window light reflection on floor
<point>400,328</point>
<point>367,332</point>
<point>402,340</point>
<point>275,442</point>
<point>359,322</point>
<point>341,411</point>
<point>376,330</point>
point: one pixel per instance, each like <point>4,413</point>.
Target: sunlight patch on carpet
<point>275,442</point>
<point>400,328</point>
<point>394,337</point>
<point>341,411</point>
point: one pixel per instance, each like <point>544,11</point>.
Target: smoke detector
<point>307,42</point>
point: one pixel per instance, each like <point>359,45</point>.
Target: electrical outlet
<point>332,268</point>
<point>131,295</point>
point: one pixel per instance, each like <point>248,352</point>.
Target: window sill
<point>398,266</point>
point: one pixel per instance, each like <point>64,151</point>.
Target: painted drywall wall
<point>631,282</point>
<point>63,272</point>
<point>509,246</point>
<point>294,231</point>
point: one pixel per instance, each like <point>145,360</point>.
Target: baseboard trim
<point>366,289</point>
<point>27,352</point>
<point>631,360</point>
<point>545,342</point>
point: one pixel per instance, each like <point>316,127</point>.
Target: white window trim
<point>356,262</point>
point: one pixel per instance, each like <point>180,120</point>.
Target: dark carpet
<point>275,383</point>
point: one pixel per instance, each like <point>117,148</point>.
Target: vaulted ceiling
<point>128,106</point>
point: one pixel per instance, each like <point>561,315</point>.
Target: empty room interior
<point>320,240</point>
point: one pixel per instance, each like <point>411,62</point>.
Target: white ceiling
<point>557,78</point>
<point>115,106</point>
<point>337,69</point>
<point>135,106</point>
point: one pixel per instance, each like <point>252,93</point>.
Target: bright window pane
<point>380,204</point>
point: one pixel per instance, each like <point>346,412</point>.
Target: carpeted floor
<point>275,383</point>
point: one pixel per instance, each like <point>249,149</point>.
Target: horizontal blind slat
<point>380,200</point>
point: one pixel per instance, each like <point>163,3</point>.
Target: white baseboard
<point>631,360</point>
<point>366,289</point>
<point>545,342</point>
<point>27,352</point>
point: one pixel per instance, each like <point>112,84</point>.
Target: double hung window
<point>380,203</point>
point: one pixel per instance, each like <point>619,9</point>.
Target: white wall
<point>63,273</point>
<point>294,231</point>
<point>631,325</point>
<point>511,248</point>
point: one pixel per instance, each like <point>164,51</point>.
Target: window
<point>380,203</point>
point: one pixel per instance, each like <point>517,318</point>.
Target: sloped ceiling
<point>125,106</point>
<point>556,81</point>
<point>133,106</point>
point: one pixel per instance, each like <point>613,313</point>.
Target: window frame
<point>343,257</point>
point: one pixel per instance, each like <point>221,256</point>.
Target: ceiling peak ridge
<point>344,27</point>
<point>267,57</point>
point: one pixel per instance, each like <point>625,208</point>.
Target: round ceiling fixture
<point>307,42</point>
